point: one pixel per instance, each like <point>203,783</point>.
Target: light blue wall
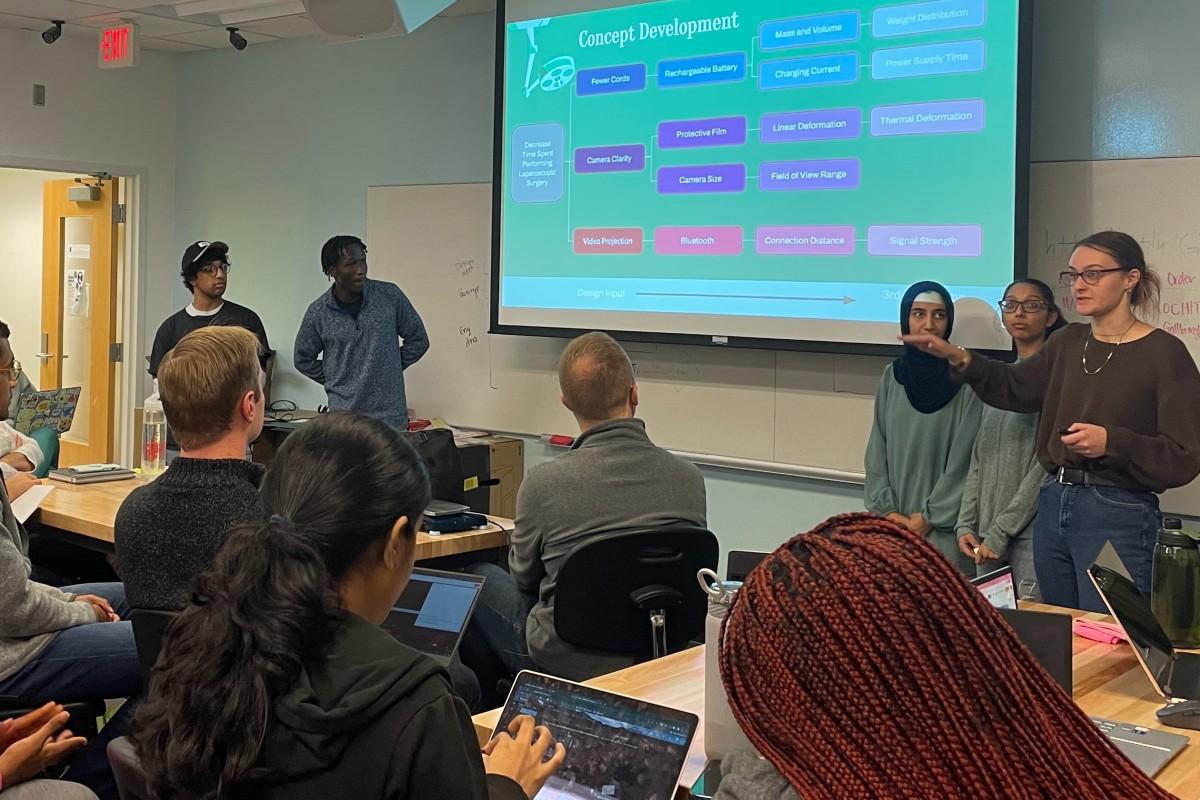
<point>278,144</point>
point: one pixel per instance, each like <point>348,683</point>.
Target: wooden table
<point>86,515</point>
<point>1108,683</point>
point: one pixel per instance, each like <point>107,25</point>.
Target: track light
<point>236,39</point>
<point>51,34</point>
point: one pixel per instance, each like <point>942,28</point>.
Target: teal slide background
<point>941,179</point>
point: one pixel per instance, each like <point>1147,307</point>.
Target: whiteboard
<point>435,242</point>
<point>1154,200</point>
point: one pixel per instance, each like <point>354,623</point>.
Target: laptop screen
<point>1132,610</point>
<point>998,587</point>
<point>433,611</point>
<point>617,747</point>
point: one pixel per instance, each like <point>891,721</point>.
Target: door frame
<point>132,276</point>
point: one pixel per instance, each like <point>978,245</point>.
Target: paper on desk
<point>24,506</point>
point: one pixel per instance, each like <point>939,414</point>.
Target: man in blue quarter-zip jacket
<point>354,328</point>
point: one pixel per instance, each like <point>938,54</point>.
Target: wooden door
<point>79,312</point>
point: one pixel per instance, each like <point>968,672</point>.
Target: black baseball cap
<point>203,252</point>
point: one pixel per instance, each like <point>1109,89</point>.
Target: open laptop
<point>998,587</point>
<point>432,614</point>
<point>53,408</point>
<point>617,747</point>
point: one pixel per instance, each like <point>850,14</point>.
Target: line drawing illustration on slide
<point>550,76</point>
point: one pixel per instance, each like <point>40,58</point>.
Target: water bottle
<point>1175,586</point>
<point>722,734</point>
<point>154,435</point>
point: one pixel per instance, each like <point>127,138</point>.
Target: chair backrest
<point>47,439</point>
<point>440,454</point>
<point>608,587</point>
<point>149,625</point>
<point>127,770</point>
<point>741,562</point>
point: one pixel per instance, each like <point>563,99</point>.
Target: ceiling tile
<point>22,23</point>
<point>284,27</point>
<point>218,37</point>
<point>51,9</point>
<point>148,25</point>
<point>128,5</point>
<point>168,46</point>
<point>464,7</point>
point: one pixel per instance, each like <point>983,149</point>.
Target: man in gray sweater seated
<point>169,531</point>
<point>66,645</point>
<point>612,481</point>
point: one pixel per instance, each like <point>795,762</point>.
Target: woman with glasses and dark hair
<point>995,521</point>
<point>1118,419</point>
<point>924,427</point>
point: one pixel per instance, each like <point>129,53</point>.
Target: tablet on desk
<point>617,746</point>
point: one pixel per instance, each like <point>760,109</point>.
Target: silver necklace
<point>1090,335</point>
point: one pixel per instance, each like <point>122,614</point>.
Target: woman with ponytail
<point>276,682</point>
<point>1118,423</point>
<point>860,665</point>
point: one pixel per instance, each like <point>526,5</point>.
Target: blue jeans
<point>494,645</point>
<point>87,662</point>
<point>1072,525</point>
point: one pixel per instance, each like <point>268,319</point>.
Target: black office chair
<point>127,770</point>
<point>149,625</point>
<point>741,563</point>
<point>613,594</point>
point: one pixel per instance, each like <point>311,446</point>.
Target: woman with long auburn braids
<point>860,664</point>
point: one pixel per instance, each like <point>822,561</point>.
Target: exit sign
<point>119,46</point>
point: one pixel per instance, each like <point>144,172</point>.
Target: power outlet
<point>39,94</point>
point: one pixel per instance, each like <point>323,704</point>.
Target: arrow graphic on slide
<point>843,299</point>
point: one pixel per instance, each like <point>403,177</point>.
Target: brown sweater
<point>1146,397</point>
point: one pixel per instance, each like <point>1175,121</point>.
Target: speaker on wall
<point>339,20</point>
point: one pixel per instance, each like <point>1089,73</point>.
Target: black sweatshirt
<point>374,721</point>
<point>168,532</point>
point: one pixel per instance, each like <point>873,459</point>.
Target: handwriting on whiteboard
<point>469,338</point>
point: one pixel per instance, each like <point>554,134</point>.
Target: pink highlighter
<point>1105,632</point>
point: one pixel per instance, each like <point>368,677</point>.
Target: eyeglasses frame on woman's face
<point>1091,275</point>
<point>1028,306</point>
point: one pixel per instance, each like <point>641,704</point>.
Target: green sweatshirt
<point>918,462</point>
<point>999,497</point>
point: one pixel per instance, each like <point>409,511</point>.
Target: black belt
<point>1083,477</point>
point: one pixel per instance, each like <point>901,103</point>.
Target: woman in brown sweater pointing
<point>1119,418</point>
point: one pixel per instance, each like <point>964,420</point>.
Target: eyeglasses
<point>1091,276</point>
<point>1028,306</point>
<point>13,373</point>
<point>212,269</point>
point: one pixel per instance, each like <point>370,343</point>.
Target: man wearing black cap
<point>206,275</point>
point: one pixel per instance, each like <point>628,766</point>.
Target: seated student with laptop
<point>167,532</point>
<point>614,480</point>
<point>860,664</point>
<point>65,645</point>
<point>277,681</point>
<point>19,454</point>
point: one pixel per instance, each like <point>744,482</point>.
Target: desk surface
<point>89,511</point>
<point>1108,683</point>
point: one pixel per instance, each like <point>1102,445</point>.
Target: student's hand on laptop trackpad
<point>518,754</point>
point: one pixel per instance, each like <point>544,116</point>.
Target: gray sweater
<point>612,481</point>
<point>999,497</point>
<point>746,776</point>
<point>361,362</point>
<point>33,613</point>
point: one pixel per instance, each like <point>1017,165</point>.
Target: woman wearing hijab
<point>925,426</point>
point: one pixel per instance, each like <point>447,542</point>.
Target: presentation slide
<point>757,168</point>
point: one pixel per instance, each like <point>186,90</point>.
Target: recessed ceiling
<point>183,26</point>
